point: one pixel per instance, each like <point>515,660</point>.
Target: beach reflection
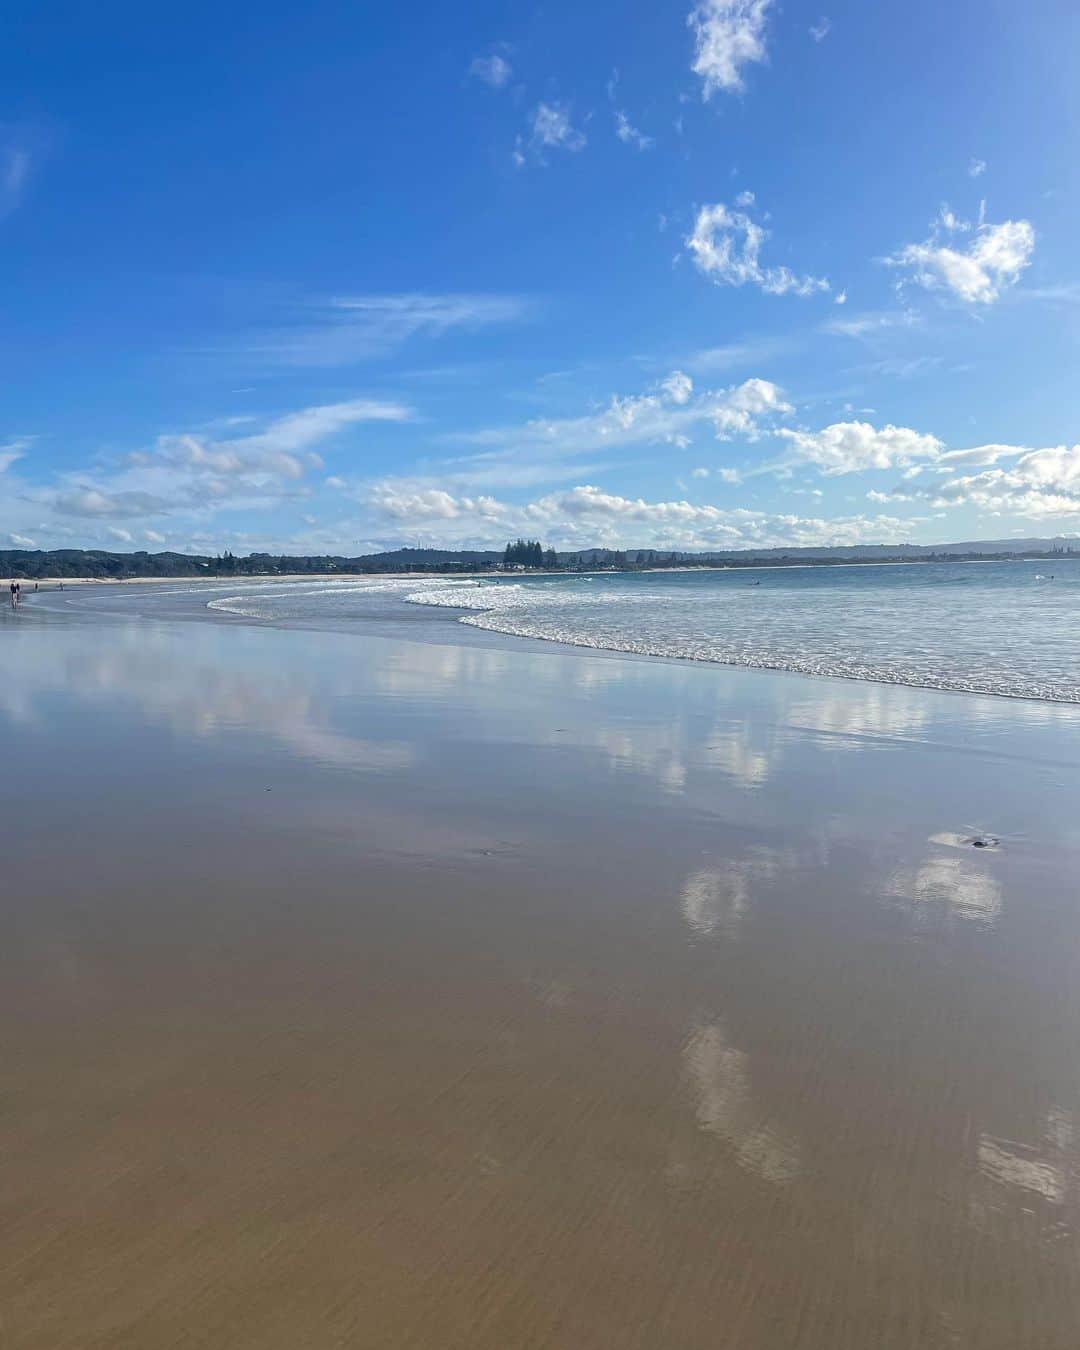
<point>716,899</point>
<point>721,1079</point>
<point>734,753</point>
<point>863,710</point>
<point>186,687</point>
<point>957,887</point>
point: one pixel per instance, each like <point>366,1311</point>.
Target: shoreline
<point>456,618</point>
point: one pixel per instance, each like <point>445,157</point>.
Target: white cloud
<point>981,455</point>
<point>678,387</point>
<point>190,473</point>
<point>94,503</point>
<point>398,501</point>
<point>494,70</point>
<point>671,414</point>
<point>629,135</point>
<point>977,274</point>
<point>121,536</point>
<point>21,541</point>
<point>977,168</point>
<point>852,447</point>
<point>299,430</point>
<point>552,130</point>
<point>728,35</point>
<point>12,451</point>
<point>279,448</point>
<point>729,475</point>
<point>556,450</point>
<point>726,245</point>
<point>819,31</point>
<point>586,515</point>
<point>699,473</point>
<point>1041,484</point>
<point>153,537</point>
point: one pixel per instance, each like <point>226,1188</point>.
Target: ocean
<point>1005,628</point>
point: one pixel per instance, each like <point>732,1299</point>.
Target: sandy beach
<point>460,992</point>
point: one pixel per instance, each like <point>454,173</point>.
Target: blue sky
<point>335,278</point>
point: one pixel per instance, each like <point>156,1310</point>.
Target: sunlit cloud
<point>976,273</point>
<point>853,447</point>
<point>728,36</point>
<point>726,245</point>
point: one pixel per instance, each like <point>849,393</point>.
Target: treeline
<point>529,553</point>
<point>57,564</point>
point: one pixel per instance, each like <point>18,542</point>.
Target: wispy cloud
<point>494,70</point>
<point>977,168</point>
<point>728,36</point>
<point>629,134</point>
<point>551,450</point>
<point>726,246</point>
<point>820,31</point>
<point>347,329</point>
<point>751,351</point>
<point>550,129</point>
<point>1066,293</point>
<point>187,472</point>
<point>672,413</point>
<point>870,323</point>
<point>12,451</point>
<point>20,147</point>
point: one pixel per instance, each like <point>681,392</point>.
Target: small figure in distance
<point>14,595</point>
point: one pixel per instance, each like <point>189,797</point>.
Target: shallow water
<point>363,991</point>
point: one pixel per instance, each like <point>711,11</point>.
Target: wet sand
<point>379,993</point>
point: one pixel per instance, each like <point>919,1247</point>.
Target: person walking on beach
<point>14,595</point>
